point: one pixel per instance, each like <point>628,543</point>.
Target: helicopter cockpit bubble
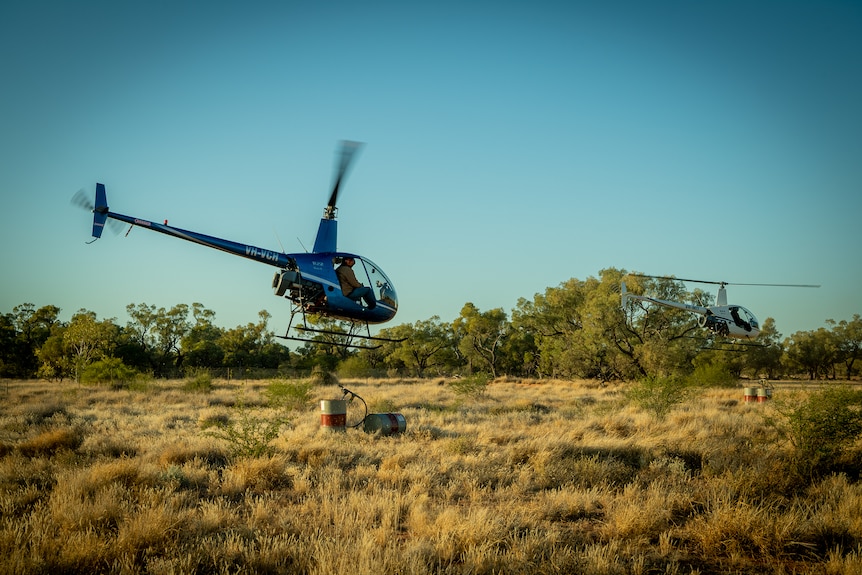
<point>370,274</point>
<point>749,317</point>
<point>743,318</point>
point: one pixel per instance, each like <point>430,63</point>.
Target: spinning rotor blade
<point>723,283</point>
<point>772,285</point>
<point>82,200</point>
<point>677,279</point>
<point>348,150</point>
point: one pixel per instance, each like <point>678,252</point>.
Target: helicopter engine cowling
<point>284,280</point>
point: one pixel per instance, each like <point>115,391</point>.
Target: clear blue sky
<point>510,146</point>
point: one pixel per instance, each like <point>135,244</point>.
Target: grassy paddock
<point>527,477</point>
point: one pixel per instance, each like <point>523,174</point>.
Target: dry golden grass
<point>532,477</point>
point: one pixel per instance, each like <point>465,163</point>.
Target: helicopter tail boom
<point>102,213</point>
<point>626,297</point>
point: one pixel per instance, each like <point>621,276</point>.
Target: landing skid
<point>348,336</point>
<point>727,345</point>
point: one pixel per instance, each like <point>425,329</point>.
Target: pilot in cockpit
<point>351,287</point>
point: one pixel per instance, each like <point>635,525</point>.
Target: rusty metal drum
<point>384,423</point>
<point>333,414</point>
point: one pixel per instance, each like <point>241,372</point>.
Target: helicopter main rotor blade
<point>773,285</point>
<point>348,151</point>
<point>723,283</point>
<point>677,279</point>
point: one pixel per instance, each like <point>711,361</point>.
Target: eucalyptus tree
<point>480,336</point>
<point>22,334</point>
<point>552,319</point>
<point>200,343</point>
<point>158,333</point>
<point>54,361</point>
<point>764,359</point>
<point>170,327</point>
<point>848,341</point>
<point>87,339</point>
<point>425,344</point>
<point>662,341</point>
<point>252,345</point>
<point>811,352</point>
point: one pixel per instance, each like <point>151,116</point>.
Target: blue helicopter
<point>316,283</point>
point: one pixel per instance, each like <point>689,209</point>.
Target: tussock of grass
<point>525,477</point>
<point>51,441</point>
<point>206,452</point>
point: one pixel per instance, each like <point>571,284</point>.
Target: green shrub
<point>110,370</point>
<point>355,366</point>
<point>712,375</point>
<point>200,381</point>
<point>823,427</point>
<point>321,377</point>
<point>472,385</point>
<point>658,395</point>
<point>290,395</point>
<point>248,434</point>
<point>385,405</point>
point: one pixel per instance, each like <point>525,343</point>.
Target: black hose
<point>345,392</point>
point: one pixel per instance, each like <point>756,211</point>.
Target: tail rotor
<point>99,209</point>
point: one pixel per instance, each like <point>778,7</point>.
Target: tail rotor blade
<point>82,200</point>
<point>99,209</point>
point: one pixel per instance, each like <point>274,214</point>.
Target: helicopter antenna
<point>300,243</point>
<point>278,239</point>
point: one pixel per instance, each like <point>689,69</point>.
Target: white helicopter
<point>733,321</point>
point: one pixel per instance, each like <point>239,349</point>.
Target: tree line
<point>577,329</point>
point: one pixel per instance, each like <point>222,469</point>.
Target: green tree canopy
<point>425,344</point>
<point>480,336</point>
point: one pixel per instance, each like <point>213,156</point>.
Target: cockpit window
<point>370,274</point>
<point>748,316</point>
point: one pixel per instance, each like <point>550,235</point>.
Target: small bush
<point>249,434</point>
<point>471,386</point>
<point>824,427</point>
<point>712,375</point>
<point>658,395</point>
<point>321,377</point>
<point>110,370</point>
<point>355,366</point>
<point>214,420</point>
<point>290,395</point>
<point>383,406</point>
<point>201,381</point>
